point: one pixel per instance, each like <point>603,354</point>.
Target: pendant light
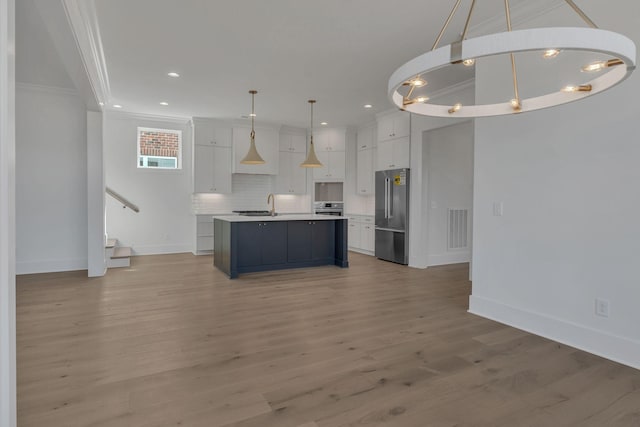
<point>252,157</point>
<point>312,160</point>
<point>550,42</point>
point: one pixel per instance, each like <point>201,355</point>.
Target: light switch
<point>498,208</point>
<point>434,204</point>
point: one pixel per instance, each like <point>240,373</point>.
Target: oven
<point>328,208</point>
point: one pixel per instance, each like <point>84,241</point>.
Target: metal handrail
<point>125,203</point>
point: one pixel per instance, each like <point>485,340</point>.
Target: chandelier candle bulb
<point>550,53</point>
<point>455,108</point>
<point>580,88</point>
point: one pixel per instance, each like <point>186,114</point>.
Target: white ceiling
<point>340,52</point>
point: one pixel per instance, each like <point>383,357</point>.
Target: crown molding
<point>83,20</point>
<point>124,115</point>
<point>54,90</point>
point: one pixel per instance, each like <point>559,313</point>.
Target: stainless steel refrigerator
<point>392,215</point>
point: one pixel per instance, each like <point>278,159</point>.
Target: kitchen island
<point>246,244</point>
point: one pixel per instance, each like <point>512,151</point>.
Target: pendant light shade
<point>311,160</point>
<point>252,157</point>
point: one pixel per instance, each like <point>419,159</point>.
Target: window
<point>159,148</point>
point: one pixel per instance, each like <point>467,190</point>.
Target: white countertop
<point>283,217</point>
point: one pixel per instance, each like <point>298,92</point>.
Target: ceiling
<point>340,52</point>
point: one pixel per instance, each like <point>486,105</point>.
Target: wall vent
<point>458,229</point>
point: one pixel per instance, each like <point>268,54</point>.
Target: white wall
<point>96,262</point>
<point>165,222</point>
<point>7,216</point>
<point>568,178</point>
<point>51,180</point>
<point>449,160</point>
<point>419,209</point>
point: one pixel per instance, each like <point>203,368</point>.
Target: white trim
<point>51,90</point>
<point>619,349</point>
<point>8,406</point>
<point>449,258</point>
<point>160,249</point>
<point>361,251</point>
<point>96,204</point>
<point>124,115</point>
<point>83,20</point>
<point>51,265</point>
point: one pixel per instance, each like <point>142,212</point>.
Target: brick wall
<point>159,144</point>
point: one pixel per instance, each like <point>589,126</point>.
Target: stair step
<point>111,243</point>
<point>121,252</point>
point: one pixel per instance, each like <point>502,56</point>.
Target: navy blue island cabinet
<point>251,244</point>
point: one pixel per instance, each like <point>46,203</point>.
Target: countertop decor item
<point>613,60</point>
<point>311,160</point>
<point>252,157</point>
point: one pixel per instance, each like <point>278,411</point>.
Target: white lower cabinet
<point>204,234</point>
<point>361,235</point>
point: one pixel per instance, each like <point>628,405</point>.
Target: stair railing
<point>125,203</point>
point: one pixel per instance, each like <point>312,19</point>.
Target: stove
<point>253,213</point>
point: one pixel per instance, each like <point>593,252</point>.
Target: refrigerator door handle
<point>386,198</point>
<point>390,199</point>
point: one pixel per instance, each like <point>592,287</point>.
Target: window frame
<point>178,132</point>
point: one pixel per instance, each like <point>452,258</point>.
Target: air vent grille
<point>458,229</point>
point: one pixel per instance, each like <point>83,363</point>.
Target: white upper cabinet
<point>333,166</point>
<point>210,132</point>
<point>291,179</point>
<point>393,154</point>
<point>365,174</point>
<point>292,142</point>
<point>366,137</point>
<point>396,125</point>
<point>211,156</point>
<point>267,144</point>
<point>330,140</point>
<point>212,169</point>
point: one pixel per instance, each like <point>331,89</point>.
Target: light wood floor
<point>171,341</point>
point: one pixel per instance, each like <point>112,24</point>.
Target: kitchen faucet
<point>271,198</point>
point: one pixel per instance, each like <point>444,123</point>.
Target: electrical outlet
<point>602,307</point>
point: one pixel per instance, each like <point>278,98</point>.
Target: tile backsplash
<point>249,193</point>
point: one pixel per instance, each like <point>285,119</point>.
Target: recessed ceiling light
<point>173,74</point>
<point>324,123</point>
<point>368,105</point>
<point>164,103</point>
<point>252,115</point>
<point>117,106</point>
<point>101,103</point>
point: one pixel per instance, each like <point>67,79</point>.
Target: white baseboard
<point>619,349</point>
<point>449,258</point>
<point>160,249</point>
<point>51,266</point>
<point>362,251</point>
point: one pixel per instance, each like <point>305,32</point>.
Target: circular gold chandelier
<point>407,80</point>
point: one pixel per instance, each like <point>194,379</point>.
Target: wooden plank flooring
<point>171,341</point>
